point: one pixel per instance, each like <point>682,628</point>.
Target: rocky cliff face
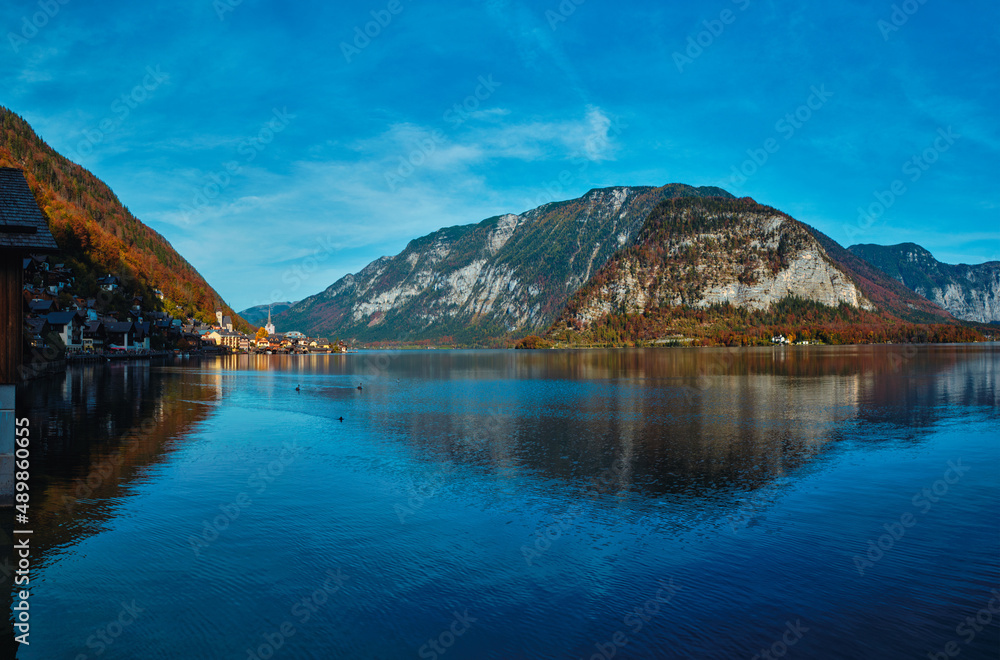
<point>506,274</point>
<point>701,252</point>
<point>616,252</point>
<point>971,293</point>
<point>888,294</point>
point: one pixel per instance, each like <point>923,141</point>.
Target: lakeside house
<point>224,337</point>
<point>122,334</point>
<point>68,326</point>
<point>94,336</point>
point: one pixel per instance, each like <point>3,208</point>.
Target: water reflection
<point>95,431</point>
<point>98,429</point>
<point>698,430</point>
<point>677,417</point>
<point>680,418</point>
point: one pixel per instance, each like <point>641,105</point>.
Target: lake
<point>799,502</point>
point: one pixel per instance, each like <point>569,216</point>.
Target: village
<point>223,338</point>
<point>58,323</point>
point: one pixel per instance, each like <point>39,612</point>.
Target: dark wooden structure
<point>23,230</point>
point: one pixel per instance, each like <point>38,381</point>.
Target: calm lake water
<point>816,502</point>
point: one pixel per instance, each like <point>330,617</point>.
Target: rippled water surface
<point>820,502</point>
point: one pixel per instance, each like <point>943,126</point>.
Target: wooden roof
<point>22,224</point>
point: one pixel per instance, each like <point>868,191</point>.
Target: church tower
<point>270,326</point>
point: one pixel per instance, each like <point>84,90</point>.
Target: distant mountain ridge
<point>258,315</point>
<point>611,253</point>
<point>509,274</point>
<point>971,293</point>
<point>886,292</point>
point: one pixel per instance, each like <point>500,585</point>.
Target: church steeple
<point>270,326</point>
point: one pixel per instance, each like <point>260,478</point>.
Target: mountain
<point>620,265</point>
<point>258,315</point>
<point>887,293</point>
<point>99,236</point>
<point>971,293</point>
<point>509,274</point>
<point>737,272</point>
<point>701,252</point>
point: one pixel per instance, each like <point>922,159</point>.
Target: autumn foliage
<point>98,235</point>
<point>727,325</point>
<point>532,342</point>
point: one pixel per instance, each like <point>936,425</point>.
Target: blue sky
<point>278,147</point>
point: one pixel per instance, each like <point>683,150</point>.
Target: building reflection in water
<point>676,421</point>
